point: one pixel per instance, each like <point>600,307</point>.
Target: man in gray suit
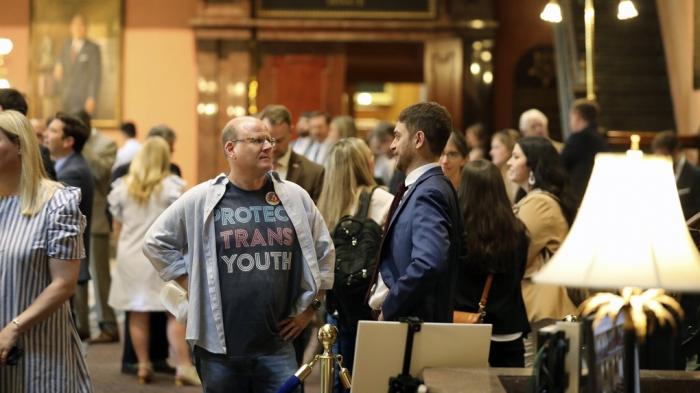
<point>100,153</point>
<point>65,138</point>
<point>79,69</point>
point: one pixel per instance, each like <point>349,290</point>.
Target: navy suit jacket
<point>420,253</point>
<point>76,172</point>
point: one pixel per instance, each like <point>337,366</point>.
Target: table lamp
<point>629,233</point>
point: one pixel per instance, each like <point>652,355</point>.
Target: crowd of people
<point>413,221</point>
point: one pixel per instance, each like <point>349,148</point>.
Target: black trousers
<point>507,353</point>
<point>158,343</point>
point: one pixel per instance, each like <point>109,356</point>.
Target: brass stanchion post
<point>327,335</point>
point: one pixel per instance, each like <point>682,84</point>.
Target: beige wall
<point>676,18</point>
<point>14,24</point>
<point>159,69</point>
<point>159,87</point>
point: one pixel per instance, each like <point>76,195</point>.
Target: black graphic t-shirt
<point>258,258</point>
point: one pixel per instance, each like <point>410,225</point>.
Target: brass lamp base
<point>634,305</point>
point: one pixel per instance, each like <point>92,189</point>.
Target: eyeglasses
<point>257,141</point>
<point>452,155</point>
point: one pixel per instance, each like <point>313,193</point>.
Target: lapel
<point>293,168</point>
<point>214,194</point>
<point>430,173</point>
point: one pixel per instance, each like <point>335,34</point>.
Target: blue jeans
<point>262,374</point>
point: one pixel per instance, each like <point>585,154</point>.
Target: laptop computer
<point>379,350</point>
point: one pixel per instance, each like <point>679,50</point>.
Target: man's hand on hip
<point>291,327</point>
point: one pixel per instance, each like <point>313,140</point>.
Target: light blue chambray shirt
<point>183,241</point>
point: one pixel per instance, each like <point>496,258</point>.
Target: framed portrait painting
<point>75,61</point>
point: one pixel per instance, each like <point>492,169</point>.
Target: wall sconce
<point>551,12</point>
<point>207,108</point>
<point>481,67</point>
<point>5,49</point>
<point>626,10</point>
<point>253,96</point>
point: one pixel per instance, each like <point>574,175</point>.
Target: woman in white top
<point>349,173</point>
<point>135,202</point>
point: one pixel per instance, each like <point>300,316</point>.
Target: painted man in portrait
<point>78,69</point>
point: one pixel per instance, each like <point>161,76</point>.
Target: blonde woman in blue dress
<point>136,200</point>
<point>41,246</point>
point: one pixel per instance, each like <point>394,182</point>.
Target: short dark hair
<point>276,114</point>
<point>666,140</point>
<point>325,115</point>
<point>163,131</point>
<point>129,129</point>
<point>11,99</point>
<point>85,118</point>
<point>431,118</point>
<point>75,128</point>
<point>587,109</point>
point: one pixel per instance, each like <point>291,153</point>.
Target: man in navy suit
<point>420,248</point>
<point>65,139</point>
<point>79,69</point>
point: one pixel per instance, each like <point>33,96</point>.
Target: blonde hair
<point>347,173</point>
<point>35,188</point>
<point>148,169</point>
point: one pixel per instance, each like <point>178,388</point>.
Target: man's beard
<point>404,160</point>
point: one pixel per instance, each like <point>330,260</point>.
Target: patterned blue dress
<point>53,360</point>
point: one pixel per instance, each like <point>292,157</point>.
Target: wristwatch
<point>316,304</point>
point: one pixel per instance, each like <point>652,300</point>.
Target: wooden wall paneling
<point>234,75</point>
<point>224,73</point>
<point>291,80</point>
<point>208,125</point>
<point>333,96</point>
<point>443,68</point>
<point>302,81</point>
<point>384,62</point>
<point>473,104</point>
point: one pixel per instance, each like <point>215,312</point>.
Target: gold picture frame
<point>345,9</point>
<point>76,52</point>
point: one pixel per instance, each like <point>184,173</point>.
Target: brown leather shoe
<point>104,338</point>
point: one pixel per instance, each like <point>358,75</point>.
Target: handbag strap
<point>485,294</point>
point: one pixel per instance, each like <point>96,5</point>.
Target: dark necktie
<point>392,210</point>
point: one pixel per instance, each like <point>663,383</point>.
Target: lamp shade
<point>629,230</point>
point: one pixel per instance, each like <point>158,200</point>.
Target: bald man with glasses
<point>256,258</point>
